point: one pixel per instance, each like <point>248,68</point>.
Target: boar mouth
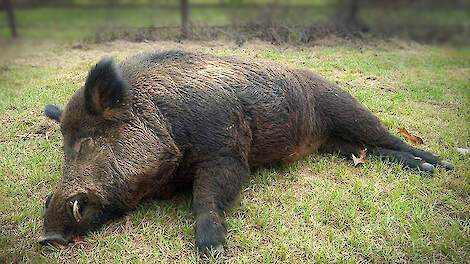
<point>58,240</point>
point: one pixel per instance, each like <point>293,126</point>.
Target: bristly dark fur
<point>199,120</point>
<point>53,112</point>
<point>104,87</point>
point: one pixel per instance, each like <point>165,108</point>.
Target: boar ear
<point>104,88</point>
<point>53,112</point>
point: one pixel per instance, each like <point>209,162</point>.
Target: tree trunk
<point>353,9</point>
<point>11,17</point>
<point>112,3</point>
<point>184,19</point>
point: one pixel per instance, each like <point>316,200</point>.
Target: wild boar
<point>143,127</point>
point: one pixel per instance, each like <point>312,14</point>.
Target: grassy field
<point>318,210</point>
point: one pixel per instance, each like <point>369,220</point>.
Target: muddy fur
<point>152,123</point>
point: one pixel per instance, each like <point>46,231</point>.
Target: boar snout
<point>50,238</point>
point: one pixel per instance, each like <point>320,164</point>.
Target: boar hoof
<point>446,165</point>
<point>426,167</point>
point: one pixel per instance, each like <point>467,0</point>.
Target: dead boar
<point>141,128</point>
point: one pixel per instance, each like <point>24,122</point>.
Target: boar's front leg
<point>217,184</point>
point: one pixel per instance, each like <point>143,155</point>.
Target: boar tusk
<point>76,213</point>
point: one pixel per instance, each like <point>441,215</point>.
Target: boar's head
<point>117,150</point>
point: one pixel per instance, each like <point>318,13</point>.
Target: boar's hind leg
<point>217,184</point>
<point>398,151</point>
<point>346,148</point>
<point>351,126</point>
<point>429,157</point>
<point>404,157</point>
<point>385,145</point>
<point>395,148</point>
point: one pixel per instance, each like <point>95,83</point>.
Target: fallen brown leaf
<point>362,157</point>
<point>412,138</point>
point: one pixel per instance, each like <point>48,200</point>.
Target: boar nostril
<point>43,239</point>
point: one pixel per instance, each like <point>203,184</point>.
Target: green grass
<point>318,210</point>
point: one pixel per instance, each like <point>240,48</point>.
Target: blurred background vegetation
<point>276,21</point>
